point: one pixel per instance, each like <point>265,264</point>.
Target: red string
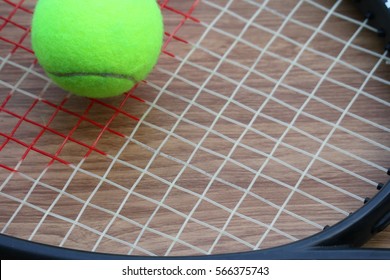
<point>9,21</point>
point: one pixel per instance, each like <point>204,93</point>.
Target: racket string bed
<point>263,124</point>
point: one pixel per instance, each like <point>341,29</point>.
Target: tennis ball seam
<point>89,74</point>
<point>97,56</point>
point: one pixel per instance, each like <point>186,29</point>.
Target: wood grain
<point>133,163</point>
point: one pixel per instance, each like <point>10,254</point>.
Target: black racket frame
<point>340,241</point>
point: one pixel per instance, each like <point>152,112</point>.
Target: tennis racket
<point>263,133</point>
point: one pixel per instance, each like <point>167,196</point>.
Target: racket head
<point>335,242</point>
<point>147,117</point>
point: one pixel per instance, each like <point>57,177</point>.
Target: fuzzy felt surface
<point>97,48</point>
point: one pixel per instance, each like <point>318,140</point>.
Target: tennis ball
<point>97,48</point>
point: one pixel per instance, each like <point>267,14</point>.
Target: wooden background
<point>100,113</point>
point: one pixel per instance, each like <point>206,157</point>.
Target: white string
<point>186,164</point>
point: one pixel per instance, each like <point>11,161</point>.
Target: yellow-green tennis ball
<point>97,48</point>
